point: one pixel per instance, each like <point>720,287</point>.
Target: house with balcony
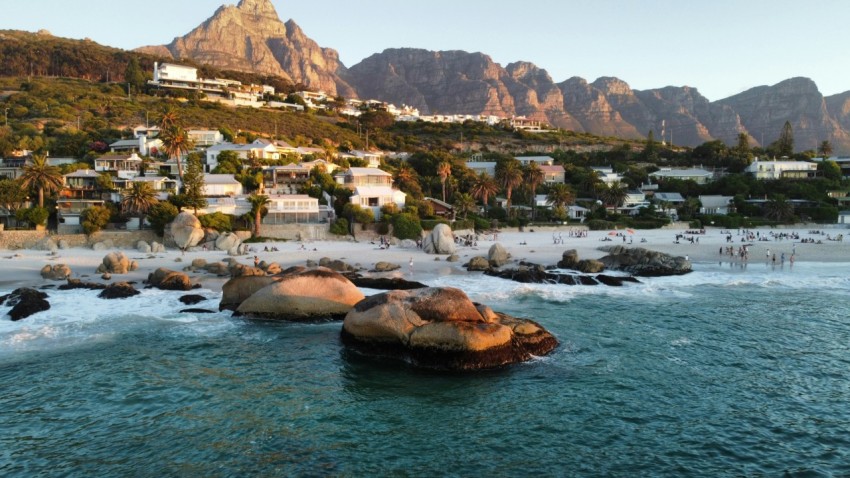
<point>221,185</point>
<point>293,209</point>
<point>540,160</point>
<point>372,188</point>
<point>143,145</point>
<point>81,191</point>
<point>161,185</point>
<point>770,170</point>
<point>697,175</point>
<point>122,165</point>
<point>259,149</point>
<point>204,138</point>
<point>607,175</point>
<point>721,205</point>
<point>286,179</point>
<point>553,174</point>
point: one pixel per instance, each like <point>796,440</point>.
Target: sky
<point>720,47</point>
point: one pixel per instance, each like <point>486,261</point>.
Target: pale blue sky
<point>721,47</point>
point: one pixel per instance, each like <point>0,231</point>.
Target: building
<point>553,174</point>
<point>721,205</point>
<point>479,167</point>
<point>143,145</point>
<point>259,149</point>
<point>768,170</point>
<point>607,175</point>
<point>205,138</point>
<point>292,209</point>
<point>843,217</point>
<point>123,165</point>
<point>185,78</point>
<point>81,191</point>
<point>442,209</point>
<point>699,176</point>
<point>221,185</point>
<point>372,189</point>
<point>540,160</point>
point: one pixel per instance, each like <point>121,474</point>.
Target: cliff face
<point>251,37</point>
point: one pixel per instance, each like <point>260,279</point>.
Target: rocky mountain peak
<point>258,8</point>
<point>610,85</point>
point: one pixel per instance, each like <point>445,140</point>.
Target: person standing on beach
<point>410,267</point>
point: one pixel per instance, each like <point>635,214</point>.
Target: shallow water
<point>720,372</point>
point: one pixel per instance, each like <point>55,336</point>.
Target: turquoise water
<point>720,372</point>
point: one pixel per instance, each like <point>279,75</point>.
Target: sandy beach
<point>542,246</point>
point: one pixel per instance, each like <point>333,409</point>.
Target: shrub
<point>429,224</point>
<point>407,226</point>
<point>599,225</point>
<point>382,228</point>
<point>160,214</point>
<point>35,216</point>
<point>94,219</point>
<point>218,220</point>
<point>339,227</point>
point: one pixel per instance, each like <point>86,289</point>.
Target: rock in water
<point>478,263</point>
<point>309,295</point>
<point>441,328</point>
<point>439,241</point>
<point>167,279</point>
<point>192,299</point>
<point>383,266</point>
<point>186,230</point>
<point>25,302</point>
<point>118,290</point>
<point>239,288</point>
<point>645,263</point>
<point>497,255</point>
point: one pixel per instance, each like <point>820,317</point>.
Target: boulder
<point>78,284</point>
<point>569,259</point>
<point>439,241</point>
<point>134,266</point>
<point>186,230</point>
<point>115,263</point>
<point>311,263</point>
<point>197,311</point>
<point>273,268</point>
<point>589,266</point>
<point>383,266</point>
<point>167,279</point>
<point>227,241</point>
<point>118,290</point>
<point>199,263</point>
<point>237,289</point>
<point>441,328</point>
<point>407,244</point>
<point>63,244</point>
<point>386,283</point>
<point>157,248</point>
<point>143,247</point>
<point>25,302</point>
<point>315,294</point>
<point>106,276</point>
<point>497,255</point>
<point>336,265</point>
<point>478,263</point>
<point>192,299</point>
<point>239,270</point>
<point>56,272</point>
<point>218,268</point>
<point>452,258</point>
<point>643,262</point>
<point>210,235</point>
<point>46,244</point>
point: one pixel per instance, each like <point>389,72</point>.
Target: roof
<point>536,159</point>
<point>220,179</point>
<point>83,173</point>
<point>715,201</point>
<point>150,179</point>
<point>555,168</point>
<point>125,142</point>
<point>234,147</point>
<point>669,197</point>
<point>368,172</point>
<point>118,157</point>
<point>682,173</point>
<point>441,203</point>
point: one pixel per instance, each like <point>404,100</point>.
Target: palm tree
<point>484,187</point>
<point>614,195</point>
<point>534,177</point>
<point>139,199</point>
<point>42,176</point>
<point>464,204</point>
<point>444,170</point>
<point>778,208</point>
<point>175,142</point>
<point>560,195</point>
<point>258,209</point>
<point>509,176</point>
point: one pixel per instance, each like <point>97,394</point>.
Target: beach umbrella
<point>630,231</point>
<point>612,233</point>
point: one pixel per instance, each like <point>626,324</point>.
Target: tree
<point>193,184</point>
<point>650,151</point>
<point>104,182</point>
<point>534,177</point>
<point>785,143</point>
<point>134,74</point>
<point>464,204</point>
<point>160,214</point>
<point>444,170</point>
<point>12,195</point>
<point>825,149</point>
<point>778,208</point>
<point>509,176</point>
<point>614,195</point>
<point>484,187</point>
<point>408,181</point>
<point>94,219</point>
<point>377,119</point>
<point>42,176</point>
<point>175,139</point>
<point>139,199</point>
<point>560,195</point>
<point>259,203</point>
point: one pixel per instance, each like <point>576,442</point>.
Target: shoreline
<point>21,268</point>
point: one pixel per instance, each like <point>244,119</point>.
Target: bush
<point>599,225</point>
<point>339,227</point>
<point>481,224</point>
<point>430,224</point>
<point>160,214</point>
<point>218,220</point>
<point>94,219</point>
<point>407,226</point>
<point>35,216</point>
<point>382,228</point>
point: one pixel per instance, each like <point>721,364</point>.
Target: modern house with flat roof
<point>768,170</point>
<point>699,176</point>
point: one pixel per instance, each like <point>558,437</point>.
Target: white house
<point>699,176</point>
<point>125,166</point>
<point>221,185</point>
<point>540,160</point>
<point>844,217</point>
<point>479,167</point>
<point>259,149</point>
<point>607,175</point>
<point>372,188</point>
<point>782,169</point>
<point>205,137</point>
<point>292,208</point>
<point>716,205</point>
<point>553,174</point>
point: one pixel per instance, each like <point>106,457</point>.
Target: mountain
<point>251,37</point>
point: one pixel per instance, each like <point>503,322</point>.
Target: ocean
<point>720,372</point>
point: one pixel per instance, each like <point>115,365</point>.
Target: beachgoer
<point>410,266</point>
<point>256,261</point>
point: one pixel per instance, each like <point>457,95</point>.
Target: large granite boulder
<point>167,279</point>
<point>237,289</point>
<point>56,272</point>
<point>441,328</point>
<point>227,241</point>
<point>569,259</point>
<point>644,262</point>
<point>143,247</point>
<point>25,302</point>
<point>156,247</point>
<point>309,295</point>
<point>46,244</point>
<point>478,263</point>
<point>186,230</point>
<point>386,283</point>
<point>336,265</point>
<point>439,241</point>
<point>590,266</point>
<point>118,290</point>
<point>497,255</point>
<point>115,263</point>
<point>384,266</point>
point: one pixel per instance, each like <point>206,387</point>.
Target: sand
<point>22,267</point>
